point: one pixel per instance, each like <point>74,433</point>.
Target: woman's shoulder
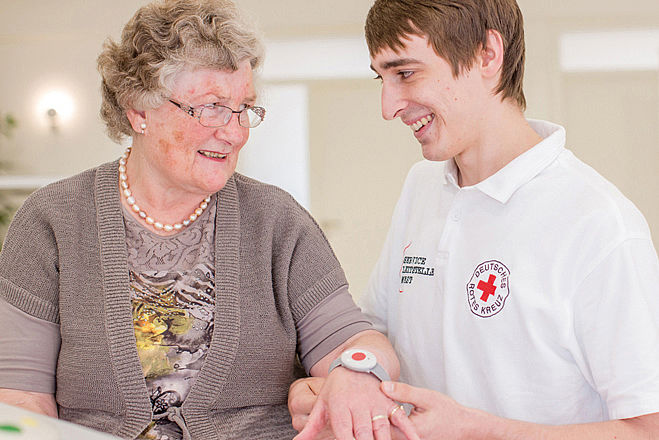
<point>61,206</point>
<point>252,190</point>
<point>263,202</point>
<point>64,194</point>
<point>246,183</point>
<point>79,182</point>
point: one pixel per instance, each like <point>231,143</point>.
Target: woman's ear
<point>137,120</point>
<point>491,56</point>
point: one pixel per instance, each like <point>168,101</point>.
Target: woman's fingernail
<point>388,386</point>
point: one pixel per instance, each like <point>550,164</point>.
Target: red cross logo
<point>492,278</point>
<point>487,288</point>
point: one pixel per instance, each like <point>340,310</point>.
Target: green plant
<point>7,125</point>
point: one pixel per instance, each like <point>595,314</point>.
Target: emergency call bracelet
<point>362,361</point>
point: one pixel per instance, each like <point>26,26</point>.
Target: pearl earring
<point>143,127</point>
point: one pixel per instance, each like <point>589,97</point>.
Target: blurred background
<point>592,66</point>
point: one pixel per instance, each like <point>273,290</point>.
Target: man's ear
<point>137,119</point>
<point>491,56</point>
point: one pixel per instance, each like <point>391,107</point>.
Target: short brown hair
<point>457,29</point>
<point>161,40</point>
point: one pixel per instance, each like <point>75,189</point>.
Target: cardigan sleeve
<point>29,286</point>
<point>313,271</point>
<point>324,312</point>
<point>333,321</point>
<point>287,249</point>
<point>29,264</point>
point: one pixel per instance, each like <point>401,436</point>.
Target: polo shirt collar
<point>503,184</point>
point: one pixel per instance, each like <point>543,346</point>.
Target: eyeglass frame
<point>195,112</point>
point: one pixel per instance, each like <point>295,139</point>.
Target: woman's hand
<point>349,402</point>
<point>40,403</point>
<point>346,405</point>
<point>302,396</point>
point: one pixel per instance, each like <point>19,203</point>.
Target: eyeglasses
<point>216,115</point>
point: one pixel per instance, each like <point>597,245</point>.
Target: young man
<point>517,285</point>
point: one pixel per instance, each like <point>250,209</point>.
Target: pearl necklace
<point>123,182</point>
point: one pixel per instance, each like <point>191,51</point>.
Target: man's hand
<point>435,416</point>
<point>438,417</point>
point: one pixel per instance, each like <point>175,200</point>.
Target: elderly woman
<point>164,296</point>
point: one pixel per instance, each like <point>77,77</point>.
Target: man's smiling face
<point>418,87</point>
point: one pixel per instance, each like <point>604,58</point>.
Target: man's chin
<point>433,152</point>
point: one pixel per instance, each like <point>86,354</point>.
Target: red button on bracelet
<point>359,356</point>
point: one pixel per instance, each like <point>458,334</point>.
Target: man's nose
<point>392,102</point>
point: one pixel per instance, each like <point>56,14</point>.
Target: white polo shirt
<point>532,295</point>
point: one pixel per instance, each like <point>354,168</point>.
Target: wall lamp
<point>56,107</point>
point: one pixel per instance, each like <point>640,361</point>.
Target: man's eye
<point>405,73</point>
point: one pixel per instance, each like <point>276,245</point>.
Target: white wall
<point>278,149</point>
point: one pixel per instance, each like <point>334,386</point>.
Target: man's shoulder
<point>589,195</point>
<point>424,174</point>
<point>427,170</point>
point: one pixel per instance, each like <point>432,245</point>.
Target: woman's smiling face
<point>184,156</point>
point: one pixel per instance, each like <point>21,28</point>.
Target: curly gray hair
<point>163,39</point>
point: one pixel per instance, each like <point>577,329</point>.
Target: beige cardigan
<point>64,260</point>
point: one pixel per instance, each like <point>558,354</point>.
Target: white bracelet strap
<point>362,361</point>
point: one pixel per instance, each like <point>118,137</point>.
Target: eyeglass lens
<point>218,116</point>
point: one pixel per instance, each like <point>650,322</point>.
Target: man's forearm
<point>643,427</point>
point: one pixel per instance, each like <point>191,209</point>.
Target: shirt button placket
<point>456,210</point>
